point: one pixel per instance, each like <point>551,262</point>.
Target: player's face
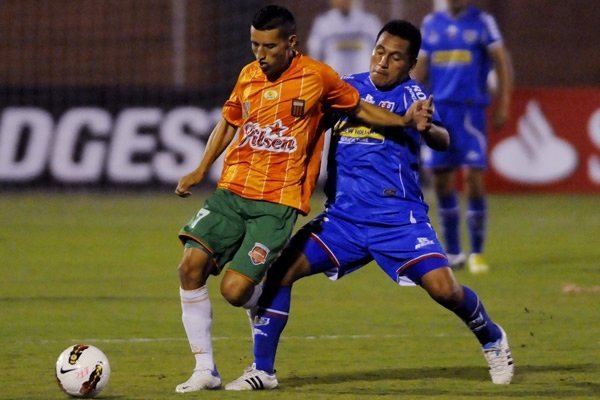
<point>272,51</point>
<point>390,61</point>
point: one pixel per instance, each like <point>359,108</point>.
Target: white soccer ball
<point>82,370</point>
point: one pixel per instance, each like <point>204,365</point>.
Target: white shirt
<point>345,42</point>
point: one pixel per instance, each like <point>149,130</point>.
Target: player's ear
<point>292,41</point>
<point>413,63</point>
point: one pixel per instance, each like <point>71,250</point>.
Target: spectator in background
<point>343,37</point>
<point>460,47</point>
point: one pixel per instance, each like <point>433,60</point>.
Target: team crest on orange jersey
<point>271,94</point>
<point>298,107</point>
<point>258,254</point>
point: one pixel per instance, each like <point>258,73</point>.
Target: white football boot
<point>500,360</point>
<point>203,379</point>
<point>253,379</point>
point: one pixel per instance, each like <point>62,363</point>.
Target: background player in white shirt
<point>343,37</point>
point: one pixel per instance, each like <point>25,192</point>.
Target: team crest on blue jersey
<point>451,31</point>
<point>433,37</point>
<point>387,104</point>
<point>470,36</point>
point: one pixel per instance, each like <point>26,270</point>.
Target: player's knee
<point>447,294</point>
<point>236,290</point>
<point>190,276</point>
<point>191,269</point>
<point>297,268</point>
<point>443,288</point>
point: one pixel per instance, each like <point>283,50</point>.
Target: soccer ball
<point>82,370</point>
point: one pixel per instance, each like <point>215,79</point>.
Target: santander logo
<point>271,138</point>
<point>534,155</point>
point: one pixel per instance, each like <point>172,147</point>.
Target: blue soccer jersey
<point>373,173</point>
<point>457,50</point>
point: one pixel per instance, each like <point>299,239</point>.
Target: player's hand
<point>423,115</point>
<point>184,185</point>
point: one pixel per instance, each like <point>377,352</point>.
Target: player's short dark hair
<point>275,17</point>
<point>406,31</point>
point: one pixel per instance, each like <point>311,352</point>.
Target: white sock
<point>254,298</point>
<point>196,314</point>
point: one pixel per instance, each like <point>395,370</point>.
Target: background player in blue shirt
<point>375,211</point>
<point>460,47</point>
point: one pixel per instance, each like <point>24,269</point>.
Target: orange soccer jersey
<point>276,154</point>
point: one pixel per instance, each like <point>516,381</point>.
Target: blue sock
<point>473,314</point>
<point>268,326</point>
<point>449,212</point>
<point>476,222</point>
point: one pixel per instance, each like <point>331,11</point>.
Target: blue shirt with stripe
<point>373,173</point>
<point>457,50</point>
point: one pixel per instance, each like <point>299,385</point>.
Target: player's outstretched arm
<point>378,116</point>
<point>218,141</point>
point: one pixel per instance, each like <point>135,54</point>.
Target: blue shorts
<point>468,140</point>
<point>338,247</point>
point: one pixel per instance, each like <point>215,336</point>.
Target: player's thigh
<point>450,158</point>
<point>474,148</point>
<point>468,139</point>
<point>216,228</point>
<point>267,232</point>
<point>468,142</point>
<point>333,246</point>
<point>407,251</point>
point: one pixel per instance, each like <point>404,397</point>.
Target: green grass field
<point>101,269</point>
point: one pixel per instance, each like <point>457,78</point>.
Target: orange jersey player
<point>277,152</point>
<point>272,123</point>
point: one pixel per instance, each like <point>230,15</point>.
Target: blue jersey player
<point>460,46</point>
<point>375,211</point>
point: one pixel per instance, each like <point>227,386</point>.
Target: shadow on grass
<point>566,384</point>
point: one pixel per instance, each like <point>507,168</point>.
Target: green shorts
<point>249,233</point>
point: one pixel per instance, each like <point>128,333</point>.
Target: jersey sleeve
<point>492,35</point>
<point>232,109</point>
<point>414,92</point>
<point>339,95</point>
<point>425,34</point>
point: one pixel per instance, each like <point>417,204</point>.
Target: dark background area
<point>134,42</point>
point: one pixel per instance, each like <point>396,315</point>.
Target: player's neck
<point>292,56</point>
<point>457,12</point>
